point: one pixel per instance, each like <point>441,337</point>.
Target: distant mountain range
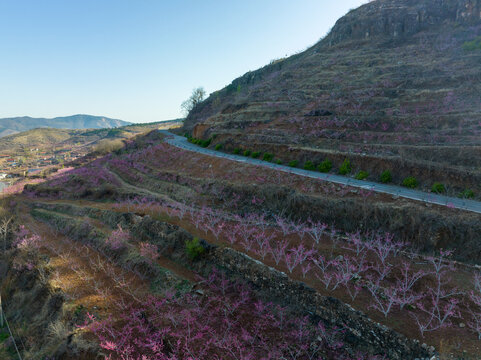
<point>9,126</point>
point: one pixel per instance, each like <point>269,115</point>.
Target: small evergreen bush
<point>467,194</point>
<point>193,248</point>
<point>309,165</point>
<point>205,143</point>
<point>256,154</point>
<point>279,162</point>
<point>268,157</point>
<point>247,153</point>
<point>438,188</point>
<point>345,168</point>
<point>237,151</point>
<point>293,163</point>
<point>473,45</point>
<point>410,182</point>
<point>362,175</point>
<point>386,177</point>
<point>218,147</point>
<point>325,166</point>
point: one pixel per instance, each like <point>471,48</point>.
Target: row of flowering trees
<point>371,264</point>
<point>223,321</point>
<point>175,326</point>
<point>374,265</point>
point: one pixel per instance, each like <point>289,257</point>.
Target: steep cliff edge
<point>394,18</point>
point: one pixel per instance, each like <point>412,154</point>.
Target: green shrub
<point>279,162</point>
<point>472,45</point>
<point>268,157</point>
<point>410,182</point>
<point>293,163</point>
<point>237,151</point>
<point>256,154</point>
<point>438,188</point>
<point>193,248</point>
<point>79,312</point>
<point>218,147</point>
<point>4,336</point>
<point>467,194</point>
<point>325,166</point>
<point>345,168</point>
<point>362,175</point>
<point>205,143</point>
<point>386,177</point>
<point>247,153</point>
<point>309,165</point>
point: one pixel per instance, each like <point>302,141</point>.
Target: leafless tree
<point>5,225</point>
<point>197,97</point>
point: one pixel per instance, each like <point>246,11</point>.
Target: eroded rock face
<point>398,18</point>
<point>199,130</point>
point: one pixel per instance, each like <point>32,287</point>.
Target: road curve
<point>452,202</point>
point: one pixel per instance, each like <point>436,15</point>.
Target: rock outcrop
<point>398,18</point>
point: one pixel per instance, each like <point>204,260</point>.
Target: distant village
<point>33,161</point>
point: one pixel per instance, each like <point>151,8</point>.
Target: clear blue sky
<point>137,60</point>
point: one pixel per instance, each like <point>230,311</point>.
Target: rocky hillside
<point>9,126</point>
<point>395,85</point>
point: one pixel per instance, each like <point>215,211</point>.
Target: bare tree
<point>4,228</point>
<point>197,97</point>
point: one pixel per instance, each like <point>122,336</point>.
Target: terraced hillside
<point>394,86</point>
<point>160,252</point>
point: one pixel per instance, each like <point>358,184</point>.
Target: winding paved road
<point>468,205</point>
